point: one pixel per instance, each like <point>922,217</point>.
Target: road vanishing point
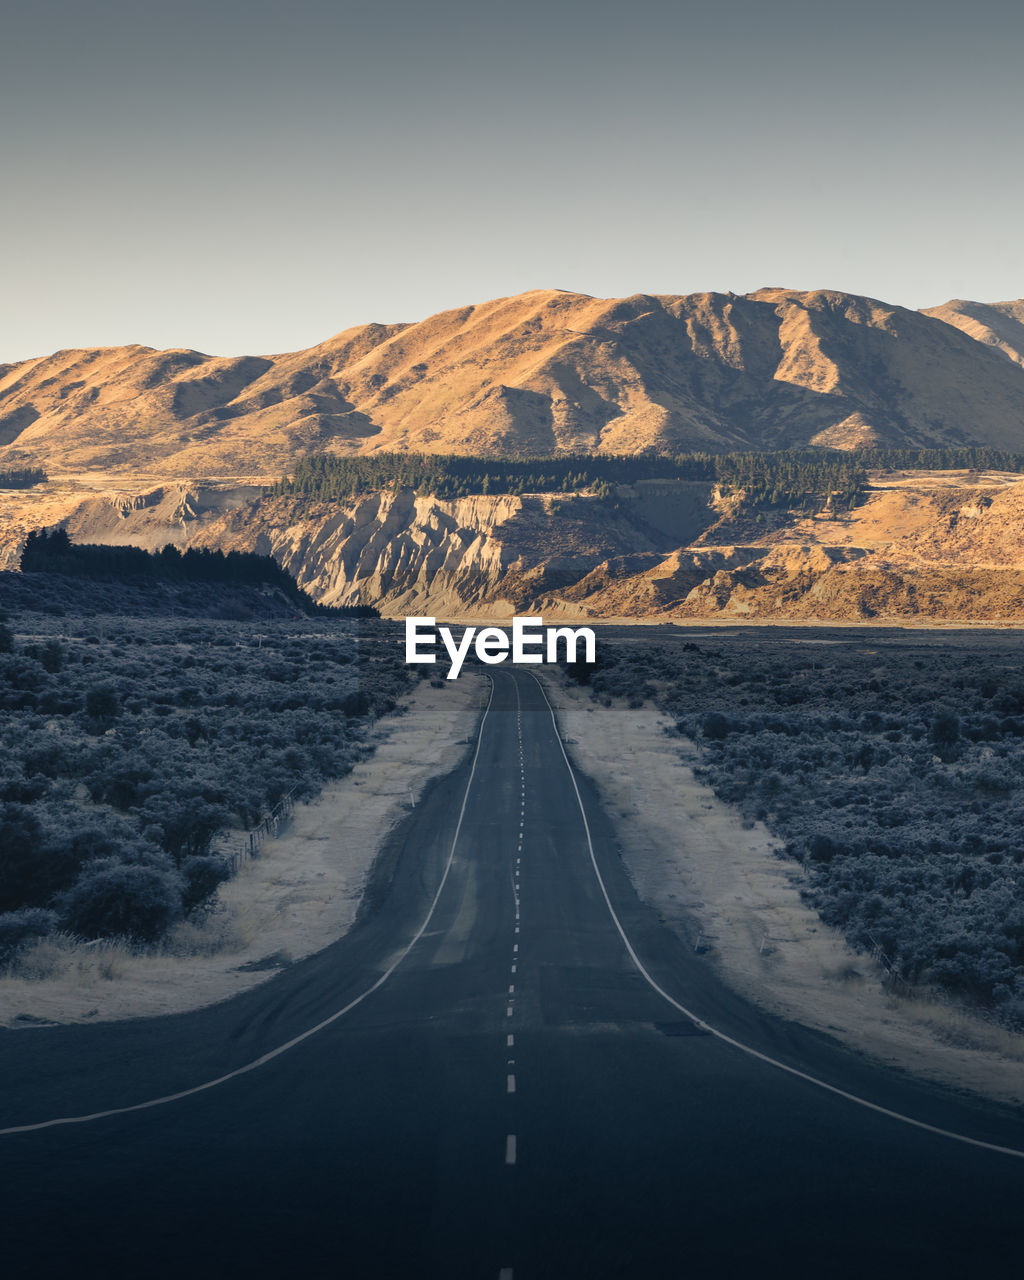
<point>509,1069</point>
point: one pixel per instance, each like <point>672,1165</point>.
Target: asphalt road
<point>513,1099</point>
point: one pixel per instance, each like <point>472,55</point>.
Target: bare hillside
<point>997,324</point>
<point>543,372</point>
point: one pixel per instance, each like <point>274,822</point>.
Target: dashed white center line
<point>510,1149</point>
<point>511,988</point>
<point>510,1084</point>
<point>515,946</point>
<point>506,1273</point>
<point>508,1012</point>
<point>513,968</point>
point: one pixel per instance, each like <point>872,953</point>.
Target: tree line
<point>953,458</point>
<point>791,478</point>
<point>22,478</point>
<point>53,551</point>
<point>328,478</point>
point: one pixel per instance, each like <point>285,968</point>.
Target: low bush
<point>202,877</point>
<point>20,927</point>
<point>119,900</point>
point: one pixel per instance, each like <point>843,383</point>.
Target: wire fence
<point>893,978</point>
<point>249,845</point>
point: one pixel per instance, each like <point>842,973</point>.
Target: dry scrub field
<point>131,747</point>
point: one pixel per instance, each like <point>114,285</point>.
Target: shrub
<point>118,900</point>
<point>19,927</point>
<point>52,657</point>
<point>21,838</point>
<point>102,703</point>
<point>183,822</point>
<point>715,726</point>
<point>202,876</point>
<point>212,723</point>
<point>356,704</point>
<point>889,776</point>
<point>945,729</point>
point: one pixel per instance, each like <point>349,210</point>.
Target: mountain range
<point>543,372</point>
<point>147,447</point>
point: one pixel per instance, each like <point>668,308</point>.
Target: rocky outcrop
<point>152,519</point>
<point>467,557</point>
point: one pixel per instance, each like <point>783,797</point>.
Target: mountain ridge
<point>544,372</point>
<point>998,324</point>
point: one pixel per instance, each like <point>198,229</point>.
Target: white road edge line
<point>720,1035</point>
<point>305,1035</point>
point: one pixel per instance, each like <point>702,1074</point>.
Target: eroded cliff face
<point>944,547</point>
<point>393,550</point>
<point>468,557</point>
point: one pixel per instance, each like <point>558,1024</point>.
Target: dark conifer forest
<point>53,552</point>
<point>22,478</point>
<point>798,478</point>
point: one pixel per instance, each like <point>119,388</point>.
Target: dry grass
<point>216,933</point>
<point>61,957</point>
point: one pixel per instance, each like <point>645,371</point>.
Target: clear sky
<point>254,175</point>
